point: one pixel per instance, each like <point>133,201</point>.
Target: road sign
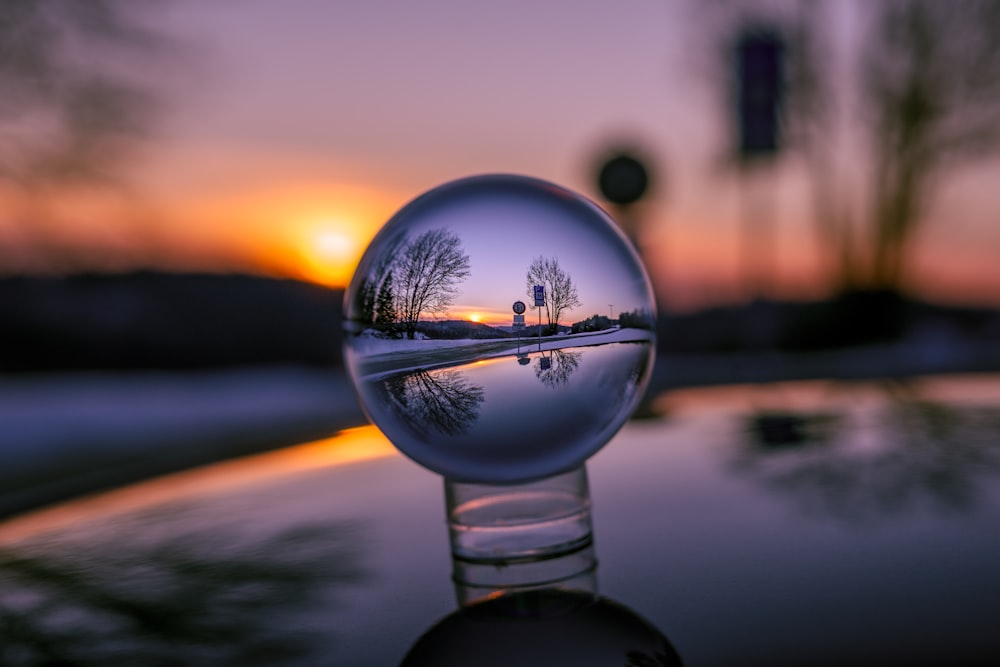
<point>519,321</point>
<point>519,308</point>
<point>539,296</point>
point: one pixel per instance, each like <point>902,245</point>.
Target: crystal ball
<point>499,329</point>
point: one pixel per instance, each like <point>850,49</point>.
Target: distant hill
<point>460,329</point>
<point>165,321</point>
<point>849,320</point>
<point>156,320</point>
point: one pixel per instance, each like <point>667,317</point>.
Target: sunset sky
<point>293,130</point>
<point>501,226</point>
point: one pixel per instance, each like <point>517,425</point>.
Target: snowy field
<point>65,434</point>
<point>380,356</point>
<point>62,435</point>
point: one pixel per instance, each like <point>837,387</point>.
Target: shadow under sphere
<point>541,629</point>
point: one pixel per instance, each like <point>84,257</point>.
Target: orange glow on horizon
<point>472,313</point>
<point>233,209</point>
<point>330,251</point>
<point>311,232</point>
<point>316,247</point>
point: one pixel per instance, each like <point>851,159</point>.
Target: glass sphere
<point>499,329</point>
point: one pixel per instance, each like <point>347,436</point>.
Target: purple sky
<point>300,126</point>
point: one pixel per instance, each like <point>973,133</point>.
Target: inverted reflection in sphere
<point>499,329</point>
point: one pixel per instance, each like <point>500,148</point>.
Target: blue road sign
<point>539,296</point>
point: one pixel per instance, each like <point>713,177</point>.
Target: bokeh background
<point>275,139</point>
<point>187,186</point>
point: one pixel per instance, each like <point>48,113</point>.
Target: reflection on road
<point>912,452</point>
<point>554,367</point>
<point>327,553</point>
<point>172,585</point>
<point>444,402</point>
<point>526,585</point>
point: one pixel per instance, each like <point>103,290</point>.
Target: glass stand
<point>514,538</point>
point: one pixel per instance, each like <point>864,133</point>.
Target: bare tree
<point>385,309</point>
<point>933,87</point>
<point>67,104</point>
<point>560,364</point>
<point>77,86</point>
<point>442,402</point>
<point>373,295</point>
<point>923,98</point>
<point>426,274</point>
<point>560,292</point>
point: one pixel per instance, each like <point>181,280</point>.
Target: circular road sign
<point>623,179</point>
<point>519,307</point>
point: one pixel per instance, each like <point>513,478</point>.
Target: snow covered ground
<point>383,356</point>
<point>66,434</point>
<point>62,435</point>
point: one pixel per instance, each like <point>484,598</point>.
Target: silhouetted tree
<point>554,368</point>
<point>637,319</point>
<point>932,85</point>
<point>366,301</point>
<point>54,71</point>
<point>77,87</point>
<point>385,308</point>
<point>926,92</point>
<point>560,292</point>
<point>371,284</point>
<point>593,323</point>
<point>428,270</point>
<point>441,402</point>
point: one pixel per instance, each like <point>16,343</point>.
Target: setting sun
<point>479,316</point>
<point>334,246</point>
<point>313,231</point>
<point>330,251</point>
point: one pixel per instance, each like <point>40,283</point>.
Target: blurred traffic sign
<point>539,296</point>
<point>623,179</point>
<point>760,88</point>
<point>519,308</point>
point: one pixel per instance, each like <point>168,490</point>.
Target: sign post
<point>539,302</point>
<point>519,309</point>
